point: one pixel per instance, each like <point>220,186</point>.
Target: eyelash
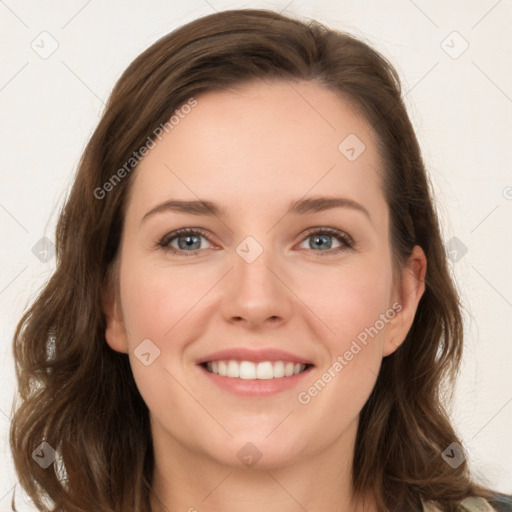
<point>164,243</point>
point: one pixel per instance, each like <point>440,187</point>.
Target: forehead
<point>280,140</point>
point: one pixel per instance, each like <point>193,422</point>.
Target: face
<point>268,276</point>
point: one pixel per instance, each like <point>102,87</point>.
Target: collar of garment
<point>472,504</point>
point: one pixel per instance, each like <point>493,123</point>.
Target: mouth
<point>249,370</point>
<point>255,379</point>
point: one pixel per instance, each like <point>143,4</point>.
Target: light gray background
<point>460,104</point>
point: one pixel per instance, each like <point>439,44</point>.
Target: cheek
<point>155,300</point>
<point>157,305</point>
<point>161,305</point>
<point>352,307</point>
<point>350,302</point>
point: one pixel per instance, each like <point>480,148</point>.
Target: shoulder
<point>499,503</point>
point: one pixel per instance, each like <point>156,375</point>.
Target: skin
<point>252,150</point>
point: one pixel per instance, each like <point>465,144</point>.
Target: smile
<point>249,370</point>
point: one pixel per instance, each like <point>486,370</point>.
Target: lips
<point>255,373</point>
<point>240,354</point>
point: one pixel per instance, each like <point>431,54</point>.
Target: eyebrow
<point>298,207</point>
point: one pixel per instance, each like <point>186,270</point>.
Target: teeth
<point>278,369</point>
<point>248,370</point>
<point>233,369</point>
<point>263,370</point>
<point>288,369</point>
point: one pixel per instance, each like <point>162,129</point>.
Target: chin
<point>256,452</point>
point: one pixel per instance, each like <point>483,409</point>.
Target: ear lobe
<point>410,291</point>
<point>115,333</point>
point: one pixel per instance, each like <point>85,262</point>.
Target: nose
<point>256,292</point>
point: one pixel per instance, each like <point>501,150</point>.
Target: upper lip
<point>256,356</point>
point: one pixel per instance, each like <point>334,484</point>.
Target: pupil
<point>318,240</point>
<point>189,240</point>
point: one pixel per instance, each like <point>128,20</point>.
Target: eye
<point>187,239</point>
<point>321,239</point>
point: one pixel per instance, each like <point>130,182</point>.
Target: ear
<point>115,333</point>
<point>408,294</point>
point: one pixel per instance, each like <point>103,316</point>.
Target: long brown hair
<point>79,396</point>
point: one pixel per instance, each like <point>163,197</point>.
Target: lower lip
<point>255,387</point>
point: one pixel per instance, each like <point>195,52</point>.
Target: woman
<point>193,350</point>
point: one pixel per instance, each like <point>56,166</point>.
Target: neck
<point>185,480</point>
